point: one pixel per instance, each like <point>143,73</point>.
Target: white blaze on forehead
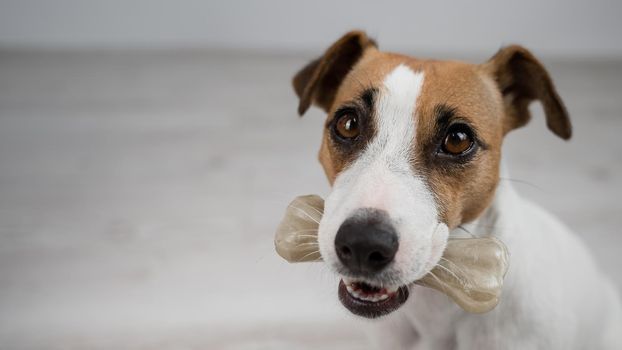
<point>395,112</point>
<point>390,149</point>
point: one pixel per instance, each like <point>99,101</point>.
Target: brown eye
<point>458,140</point>
<point>347,126</point>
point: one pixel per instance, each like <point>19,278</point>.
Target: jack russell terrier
<point>411,145</point>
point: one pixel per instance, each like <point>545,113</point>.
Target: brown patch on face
<point>454,94</point>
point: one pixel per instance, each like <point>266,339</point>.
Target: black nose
<point>366,242</point>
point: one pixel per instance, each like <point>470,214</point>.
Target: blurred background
<point>148,150</point>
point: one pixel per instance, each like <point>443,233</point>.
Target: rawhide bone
<point>471,273</point>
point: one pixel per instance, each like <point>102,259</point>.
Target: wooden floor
<point>139,193</point>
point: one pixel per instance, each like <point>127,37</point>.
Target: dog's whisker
<point>523,182</point>
<point>465,230</point>
<point>307,236</point>
<point>304,212</point>
<point>450,272</point>
<point>456,266</point>
<point>307,243</point>
<point>308,255</point>
<point>305,230</point>
<point>314,208</point>
<point>439,281</point>
<point>493,226</point>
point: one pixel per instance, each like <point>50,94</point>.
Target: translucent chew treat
<point>296,236</point>
<point>470,273</point>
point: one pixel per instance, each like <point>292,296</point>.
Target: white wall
<point>572,27</point>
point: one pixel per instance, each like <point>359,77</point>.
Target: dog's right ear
<point>319,80</point>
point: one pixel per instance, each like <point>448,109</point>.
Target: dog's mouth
<point>364,299</point>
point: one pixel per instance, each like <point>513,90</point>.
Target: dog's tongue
<point>471,271</point>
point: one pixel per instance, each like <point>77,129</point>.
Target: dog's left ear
<point>319,80</point>
<point>522,79</point>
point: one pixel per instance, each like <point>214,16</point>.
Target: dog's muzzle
<point>366,244</point>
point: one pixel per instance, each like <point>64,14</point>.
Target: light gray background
<point>555,27</point>
<point>148,149</point>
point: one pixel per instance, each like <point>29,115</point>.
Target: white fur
<point>577,308</point>
<point>382,178</point>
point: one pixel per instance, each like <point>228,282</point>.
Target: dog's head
<point>412,149</point>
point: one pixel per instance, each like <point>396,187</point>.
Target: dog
<point>412,150</point>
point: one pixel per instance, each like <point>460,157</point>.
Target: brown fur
<point>523,79</point>
<point>492,97</point>
<point>319,81</point>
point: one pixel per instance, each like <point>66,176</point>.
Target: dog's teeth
<point>349,281</point>
<point>374,298</point>
<point>356,292</point>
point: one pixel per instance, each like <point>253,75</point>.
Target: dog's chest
<point>433,316</point>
